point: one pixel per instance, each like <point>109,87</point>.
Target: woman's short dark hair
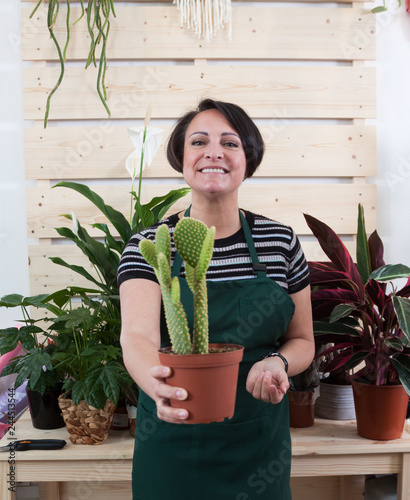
<point>239,120</point>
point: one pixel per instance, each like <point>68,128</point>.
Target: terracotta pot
<point>210,380</point>
<point>301,408</point>
<point>44,410</point>
<point>380,410</point>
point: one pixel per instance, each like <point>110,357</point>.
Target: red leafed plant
<point>358,310</point>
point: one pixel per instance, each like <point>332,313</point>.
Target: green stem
<point>102,63</point>
<point>82,13</point>
<point>60,56</point>
<point>91,54</point>
<point>35,8</point>
<point>67,23</point>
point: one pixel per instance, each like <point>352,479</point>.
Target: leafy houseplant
<point>76,348</point>
<point>196,357</point>
<point>105,257</point>
<point>37,364</point>
<point>366,319</point>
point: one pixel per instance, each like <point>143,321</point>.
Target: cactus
<point>194,242</point>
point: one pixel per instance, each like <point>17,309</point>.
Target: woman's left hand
<point>267,380</point>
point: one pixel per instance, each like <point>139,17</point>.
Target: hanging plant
<point>98,21</point>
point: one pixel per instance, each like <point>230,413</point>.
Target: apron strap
<point>258,268</point>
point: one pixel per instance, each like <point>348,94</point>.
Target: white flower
<point>75,223</point>
<point>147,148</point>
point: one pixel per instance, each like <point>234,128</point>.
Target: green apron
<point>247,457</point>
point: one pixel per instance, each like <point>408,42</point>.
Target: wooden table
<point>328,449</point>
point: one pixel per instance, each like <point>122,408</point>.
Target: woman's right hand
<point>164,392</point>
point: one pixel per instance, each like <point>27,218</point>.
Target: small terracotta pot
<point>210,380</point>
<point>301,408</point>
<point>380,410</point>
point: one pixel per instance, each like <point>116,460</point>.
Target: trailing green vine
<point>98,23</point>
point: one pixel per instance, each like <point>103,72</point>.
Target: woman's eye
<point>198,142</point>
<point>231,144</point>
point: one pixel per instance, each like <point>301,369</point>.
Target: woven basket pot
<point>84,423</point>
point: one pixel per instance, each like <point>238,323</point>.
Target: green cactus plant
<point>194,242</point>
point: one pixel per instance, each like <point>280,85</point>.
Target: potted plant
<point>95,374</point>
<point>367,319</point>
<point>76,353</point>
<point>335,400</point>
<point>36,362</point>
<point>302,394</point>
<point>208,372</point>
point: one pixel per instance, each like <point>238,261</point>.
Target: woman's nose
<point>214,152</point>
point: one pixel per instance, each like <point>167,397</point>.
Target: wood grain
<point>100,151</point>
<point>258,32</point>
<point>335,204</point>
<point>264,91</point>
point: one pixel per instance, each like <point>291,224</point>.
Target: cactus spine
<point>194,242</point>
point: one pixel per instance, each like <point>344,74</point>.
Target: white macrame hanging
<point>205,17</point>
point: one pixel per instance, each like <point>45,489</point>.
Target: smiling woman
<point>258,296</point>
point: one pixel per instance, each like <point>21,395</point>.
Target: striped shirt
<point>277,247</point>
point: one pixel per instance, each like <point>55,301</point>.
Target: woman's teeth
<point>216,170</point>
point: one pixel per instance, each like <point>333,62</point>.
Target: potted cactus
<point>208,372</point>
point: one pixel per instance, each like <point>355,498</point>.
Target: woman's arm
<point>140,341</point>
<point>267,379</point>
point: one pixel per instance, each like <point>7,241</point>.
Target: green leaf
<point>401,363</point>
<point>390,272</point>
<point>110,240</point>
<point>114,216</point>
<point>78,391</point>
<point>395,343</point>
<point>341,311</point>
<point>402,307</point>
<point>325,328</point>
<point>379,9</point>
<point>15,300</point>
<point>12,300</point>
<point>77,269</point>
<point>362,248</point>
<point>10,337</point>
<point>356,359</point>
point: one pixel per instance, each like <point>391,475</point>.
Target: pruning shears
<point>34,444</point>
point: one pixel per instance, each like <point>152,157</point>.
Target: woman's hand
<point>267,380</point>
<point>164,392</point>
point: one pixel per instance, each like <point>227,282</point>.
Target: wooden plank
<point>100,151</point>
<point>264,91</point>
<point>47,277</point>
<point>335,204</point>
<point>325,488</point>
<point>258,32</point>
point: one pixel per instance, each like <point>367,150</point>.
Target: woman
<point>259,296</point>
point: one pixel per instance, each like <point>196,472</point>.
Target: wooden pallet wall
<point>299,71</point>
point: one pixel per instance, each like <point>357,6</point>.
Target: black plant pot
<point>44,410</point>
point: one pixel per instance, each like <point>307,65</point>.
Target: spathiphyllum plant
<point>194,242</point>
<point>105,256</point>
<point>358,308</point>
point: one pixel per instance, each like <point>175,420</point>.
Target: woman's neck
<point>225,217</point>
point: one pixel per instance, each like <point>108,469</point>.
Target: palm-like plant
<point>357,308</point>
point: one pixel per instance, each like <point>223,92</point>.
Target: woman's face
<point>214,158</point>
